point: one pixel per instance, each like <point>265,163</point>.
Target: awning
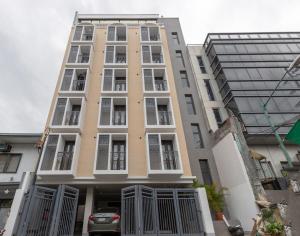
<point>294,134</point>
<point>257,156</point>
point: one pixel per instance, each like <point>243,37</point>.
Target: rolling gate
<point>156,211</point>
<point>48,211</point>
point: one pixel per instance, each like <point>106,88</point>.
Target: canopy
<point>294,134</point>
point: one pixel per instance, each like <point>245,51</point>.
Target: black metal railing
<point>157,58</point>
<point>165,118</point>
<point>120,58</point>
<point>119,119</point>
<point>160,85</point>
<point>170,160</point>
<point>118,160</point>
<point>87,37</point>
<point>64,160</point>
<point>83,58</point>
<point>72,117</point>
<point>78,85</point>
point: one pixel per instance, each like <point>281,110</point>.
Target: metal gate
<point>151,212</point>
<point>48,211</point>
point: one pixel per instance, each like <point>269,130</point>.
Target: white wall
<point>27,164</point>
<point>239,198</point>
<point>274,154</point>
<point>194,51</point>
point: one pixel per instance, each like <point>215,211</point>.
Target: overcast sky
<point>33,36</point>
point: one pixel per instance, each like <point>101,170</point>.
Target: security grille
<point>48,211</point>
<point>150,212</point>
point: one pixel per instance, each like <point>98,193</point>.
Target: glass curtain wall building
<point>247,67</point>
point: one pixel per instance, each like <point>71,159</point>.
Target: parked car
<point>104,220</point>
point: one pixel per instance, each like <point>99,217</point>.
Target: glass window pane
<point>77,33</point>
<point>111,33</point>
<point>190,104</point>
<point>109,54</point>
<point>144,32</point>
<point>13,163</point>
<point>146,54</point>
<point>73,54</point>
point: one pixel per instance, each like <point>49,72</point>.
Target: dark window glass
<point>175,38</point>
<point>179,57</point>
<point>198,141</point>
<point>184,79</point>
<point>209,90</point>
<point>190,104</point>
<point>206,175</point>
<point>9,163</point>
<point>201,65</point>
<point>217,116</point>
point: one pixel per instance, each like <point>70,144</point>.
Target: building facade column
<point>89,203</point>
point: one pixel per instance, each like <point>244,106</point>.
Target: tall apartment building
<point>235,74</point>
<point>116,117</point>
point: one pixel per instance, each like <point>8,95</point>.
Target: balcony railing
<point>83,58</point>
<point>157,58</point>
<point>170,160</point>
<point>87,37</point>
<point>64,161</point>
<point>119,119</point>
<point>120,85</point>
<point>72,117</point>
<point>118,160</point>
<point>121,58</point>
<point>78,85</point>
<point>165,118</point>
<point>161,85</point>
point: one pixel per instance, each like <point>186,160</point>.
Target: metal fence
<point>149,211</point>
<point>47,211</point>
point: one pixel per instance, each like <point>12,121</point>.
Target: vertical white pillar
<point>205,212</point>
<point>88,209</point>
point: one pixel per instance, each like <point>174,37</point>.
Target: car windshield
<point>107,210</point>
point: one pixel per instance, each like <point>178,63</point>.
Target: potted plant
<point>274,228</point>
<point>215,198</point>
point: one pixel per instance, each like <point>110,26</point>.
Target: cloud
<point>34,35</point>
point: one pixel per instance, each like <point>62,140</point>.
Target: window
<point>150,33</point>
<point>114,80</point>
<point>74,80</point>
<point>9,163</point>
<point>83,33</point>
<point>158,111</point>
<point>116,33</point>
<point>79,54</point>
<point>184,79</point>
<point>155,80</point>
<point>116,54</point>
<point>111,152</point>
<point>201,65</point>
<point>210,93</point>
<point>152,54</point>
<point>190,104</point>
<point>218,116</point>
<point>175,38</point>
<point>163,153</point>
<point>113,111</point>
<point>179,57</point>
<point>206,175</point>
<point>198,141</point>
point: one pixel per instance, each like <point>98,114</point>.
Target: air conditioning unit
<point>5,147</point>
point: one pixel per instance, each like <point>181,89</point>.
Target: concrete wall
<point>195,154</point>
<point>198,50</point>
<point>240,199</point>
<point>274,154</point>
<point>28,162</point>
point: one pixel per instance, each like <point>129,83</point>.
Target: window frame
<point>115,35</point>
<point>181,72</point>
<point>108,64</point>
<point>149,26</point>
<point>199,133</point>
<point>151,63</point>
<point>201,64</point>
<point>7,162</point>
<point>192,104</point>
<point>85,41</point>
<point>109,171</point>
<point>208,171</point>
<point>155,91</point>
<point>113,81</point>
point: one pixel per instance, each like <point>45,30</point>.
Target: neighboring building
<point>235,73</point>
<point>18,156</point>
<point>116,118</point>
<point>199,140</point>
